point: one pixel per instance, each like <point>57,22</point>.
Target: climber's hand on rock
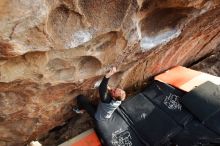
<point>111,72</point>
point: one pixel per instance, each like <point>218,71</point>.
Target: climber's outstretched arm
<point>103,88</point>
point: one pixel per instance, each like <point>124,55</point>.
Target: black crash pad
<point>193,134</point>
<point>116,132</point>
<point>204,103</point>
<point>154,125</point>
<point>167,98</point>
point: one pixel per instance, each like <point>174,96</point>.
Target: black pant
<point>85,104</point>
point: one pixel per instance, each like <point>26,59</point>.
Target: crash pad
<point>186,79</point>
<point>87,138</point>
<point>146,119</point>
<point>204,103</point>
<point>116,131</point>
<point>168,98</point>
<point>194,134</point>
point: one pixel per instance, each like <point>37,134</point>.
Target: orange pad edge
<point>89,140</point>
<point>177,76</point>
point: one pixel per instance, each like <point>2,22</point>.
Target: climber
<point>111,99</point>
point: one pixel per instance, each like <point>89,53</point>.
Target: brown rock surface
<point>52,50</point>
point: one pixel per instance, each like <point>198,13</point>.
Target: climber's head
<point>118,94</point>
